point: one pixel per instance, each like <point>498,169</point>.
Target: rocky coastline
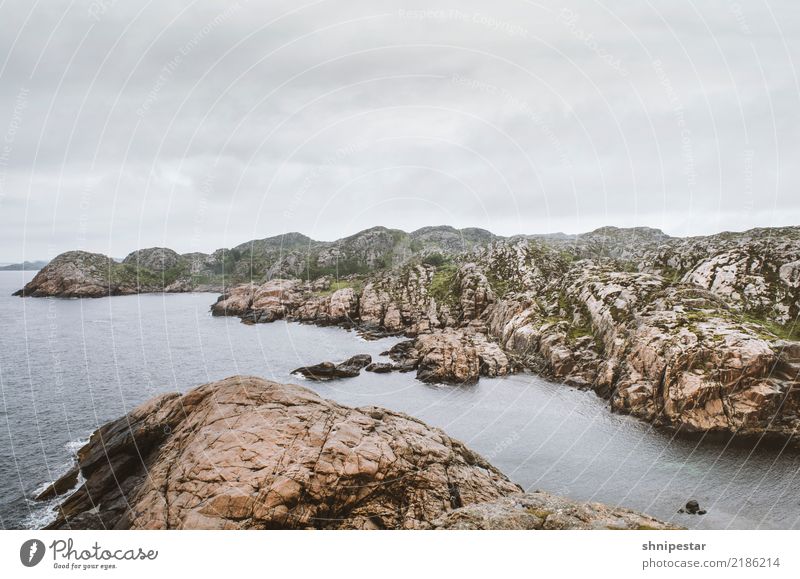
<point>245,453</point>
<point>697,335</point>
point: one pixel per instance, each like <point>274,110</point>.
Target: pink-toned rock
<point>244,453</point>
<point>236,302</point>
<point>76,274</point>
<point>542,511</point>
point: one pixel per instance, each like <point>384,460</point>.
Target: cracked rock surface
<point>245,453</point>
<point>542,511</point>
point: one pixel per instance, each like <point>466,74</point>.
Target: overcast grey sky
<point>198,125</point>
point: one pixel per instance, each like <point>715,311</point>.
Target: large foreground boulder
<point>245,453</point>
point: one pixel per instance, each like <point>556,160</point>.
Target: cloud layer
<point>198,125</point>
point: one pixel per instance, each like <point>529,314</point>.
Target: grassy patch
<point>770,329</point>
<point>343,267</point>
<point>576,332</point>
<point>357,286</point>
<point>540,513</point>
<point>130,274</point>
<point>763,328</point>
<point>435,259</point>
<point>500,286</point>
<point>443,287</point>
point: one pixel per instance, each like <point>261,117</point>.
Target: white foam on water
<point>42,513</point>
<point>74,446</point>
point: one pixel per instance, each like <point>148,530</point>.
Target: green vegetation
<point>226,263</point>
<point>501,287</point>
<point>130,274</point>
<point>208,279</point>
<point>567,256</point>
<point>540,513</point>
<point>435,259</point>
<point>443,287</point>
<point>764,328</point>
<point>770,329</point>
<point>343,267</point>
<point>670,274</point>
<point>578,331</point>
<point>356,284</point>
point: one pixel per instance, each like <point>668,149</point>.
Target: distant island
<point>24,266</point>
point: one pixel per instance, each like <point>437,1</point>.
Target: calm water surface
<point>67,366</point>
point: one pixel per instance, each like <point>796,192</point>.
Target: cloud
<point>200,125</point>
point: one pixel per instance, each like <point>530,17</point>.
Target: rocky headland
<point>245,453</point>
<point>695,334</point>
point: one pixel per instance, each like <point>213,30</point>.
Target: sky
<point>200,125</point>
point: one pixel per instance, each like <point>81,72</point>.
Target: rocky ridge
<point>655,336</point>
<point>244,453</point>
<point>696,334</point>
<point>292,255</point>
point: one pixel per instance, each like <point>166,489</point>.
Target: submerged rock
<point>324,371</point>
<point>61,486</point>
<point>692,508</point>
<point>381,367</point>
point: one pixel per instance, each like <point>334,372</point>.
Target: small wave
<point>74,446</point>
<point>42,513</point>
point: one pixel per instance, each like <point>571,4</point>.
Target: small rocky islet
<point>692,334</point>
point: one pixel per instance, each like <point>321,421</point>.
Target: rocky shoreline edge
<point>246,453</point>
<point>696,335</point>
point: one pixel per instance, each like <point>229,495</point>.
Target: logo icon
<point>31,553</point>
